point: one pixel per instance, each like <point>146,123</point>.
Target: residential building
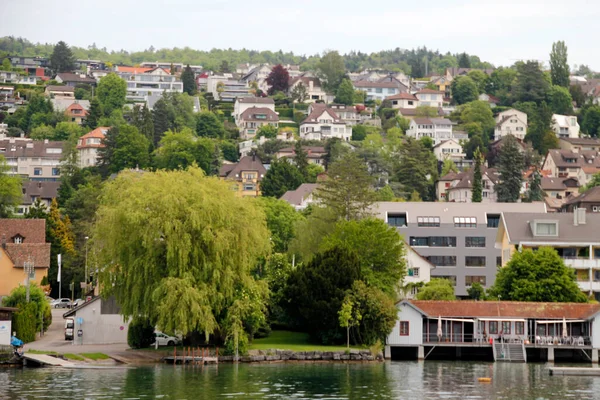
<point>60,92</point>
<point>578,144</point>
<point>430,98</point>
<point>178,67</point>
<point>565,126</point>
<point>314,90</point>
<point>511,122</point>
<point>559,188</point>
<point>6,92</point>
<point>76,113</point>
<point>460,189</point>
<point>246,146</point>
<point>17,78</point>
<point>29,64</point>
<point>449,150</point>
<point>323,123</point>
<point>244,103</point>
<point>302,197</point>
<point>453,72</point>
<point>100,321</point>
<point>314,154</point>
<point>73,80</point>
<point>418,272</point>
<point>590,200</point>
<point>379,90</point>
<point>37,190</point>
<point>347,114</point>
<point>403,101</point>
<point>90,64</point>
<point>142,83</point>
<point>438,129</point>
<point>493,101</point>
<point>252,119</point>
<point>493,330</point>
<point>37,160</point>
<point>63,104</point>
<point>459,239</point>
<point>259,75</point>
<point>245,175</point>
<point>565,163</point>
<point>224,88</point>
<point>442,84</point>
<point>573,235</point>
<point>88,146</point>
<point>23,243</point>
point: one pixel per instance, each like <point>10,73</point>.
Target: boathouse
<point>495,330</point>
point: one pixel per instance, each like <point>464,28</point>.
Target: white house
<point>244,103</point>
<point>418,270</point>
<point>225,88</point>
<point>142,83</point>
<point>88,146</point>
<point>493,101</point>
<point>404,101</point>
<point>302,197</point>
<point>253,118</point>
<point>323,123</point>
<point>511,122</point>
<point>382,88</point>
<point>259,75</point>
<point>430,97</point>
<point>438,129</point>
<point>449,150</point>
<point>314,91</point>
<point>98,322</point>
<point>565,126</point>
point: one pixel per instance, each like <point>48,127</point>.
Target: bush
<point>27,321</point>
<point>242,345</point>
<point>299,116</point>
<point>287,113</point>
<point>140,334</point>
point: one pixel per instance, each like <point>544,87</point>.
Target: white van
<point>69,328</point>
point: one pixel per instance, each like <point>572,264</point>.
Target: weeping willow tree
<point>177,248</point>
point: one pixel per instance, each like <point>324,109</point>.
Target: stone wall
<point>288,355</point>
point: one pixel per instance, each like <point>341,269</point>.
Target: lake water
<point>389,380</point>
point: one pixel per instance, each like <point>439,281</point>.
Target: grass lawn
<point>75,357</point>
<point>95,356</point>
<point>295,341</point>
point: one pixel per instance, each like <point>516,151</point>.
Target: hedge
<point>140,334</point>
<point>285,112</point>
<point>288,125</point>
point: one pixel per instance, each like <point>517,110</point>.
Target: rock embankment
<point>288,355</point>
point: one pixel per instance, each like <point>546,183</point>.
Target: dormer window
<point>18,239</point>
<point>545,228</point>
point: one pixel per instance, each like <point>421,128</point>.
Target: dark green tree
<point>535,192</point>
<point>417,169</point>
<point>477,190</point>
<point>345,93</point>
<point>189,81</point>
<point>229,151</point>
<point>331,70</point>
<point>111,93</point>
<point>591,121</point>
<point>530,83</point>
<point>560,100</point>
<point>208,125</point>
<point>539,275</point>
<point>476,291</point>
<point>160,118</point>
<point>224,68</point>
<point>464,61</point>
<point>559,64</point>
<point>94,114</point>
<point>124,147</point>
<point>510,167</point>
<point>301,160</point>
<point>62,59</point>
<point>464,90</point>
<point>281,177</point>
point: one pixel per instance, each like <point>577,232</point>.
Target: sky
<point>500,31</point>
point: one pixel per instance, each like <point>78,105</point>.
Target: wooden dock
<point>44,359</point>
<point>192,355</point>
<point>568,371</point>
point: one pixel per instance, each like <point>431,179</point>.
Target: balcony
<point>582,263</point>
<point>585,286</point>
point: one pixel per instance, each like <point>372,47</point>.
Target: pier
<point>192,355</point>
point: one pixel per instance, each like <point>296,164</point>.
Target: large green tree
<point>331,70</point>
<point>124,147</point>
<point>539,275</point>
<point>535,192</point>
<point>417,169</point>
<point>281,221</point>
<point>62,59</point>
<point>591,121</point>
<point>345,93</point>
<point>94,114</point>
<point>281,177</point>
<point>510,167</point>
<point>111,93</point>
<point>189,81</point>
<point>560,100</point>
<point>530,83</point>
<point>464,90</point>
<point>301,160</point>
<point>208,125</point>
<point>182,149</point>
<point>173,252</point>
<point>437,289</point>
<point>477,189</point>
<point>160,118</point>
<point>559,64</point>
<point>10,190</point>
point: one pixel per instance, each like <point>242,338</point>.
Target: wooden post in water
<point>174,355</point>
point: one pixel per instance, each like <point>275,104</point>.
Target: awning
<point>453,319</point>
<point>503,319</point>
<point>560,321</point>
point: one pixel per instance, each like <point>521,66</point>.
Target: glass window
<point>378,90</point>
<point>472,261</point>
<point>469,280</point>
<point>475,241</point>
<point>493,327</point>
<point>404,328</point>
<point>506,327</point>
<point>249,187</point>
<point>419,241</point>
<point>465,222</point>
<point>520,328</point>
<point>55,171</point>
<point>442,241</point>
<point>397,219</point>
<point>493,220</point>
<point>545,229</point>
<point>37,171</point>
<point>442,261</point>
<point>428,221</point>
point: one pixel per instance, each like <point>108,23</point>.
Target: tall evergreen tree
<point>160,117</point>
<point>62,59</point>
<point>345,93</point>
<point>477,190</point>
<point>559,65</point>
<point>281,177</point>
<point>535,192</point>
<point>464,61</point>
<point>94,114</point>
<point>417,169</point>
<point>530,84</point>
<point>301,160</point>
<point>510,167</point>
<point>189,81</point>
<point>146,127</point>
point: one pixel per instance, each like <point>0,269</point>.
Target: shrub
<point>27,321</point>
<point>140,334</point>
<point>242,345</point>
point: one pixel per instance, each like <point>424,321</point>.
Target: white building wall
<point>100,328</point>
<point>415,323</point>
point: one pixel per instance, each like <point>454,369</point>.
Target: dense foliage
<point>32,317</point>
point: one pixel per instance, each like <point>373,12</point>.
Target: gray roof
<point>69,77</point>
<point>247,163</point>
<point>447,211</point>
<point>590,196</point>
<point>519,227</point>
<point>26,148</point>
<point>257,100</point>
<point>582,141</point>
<point>295,197</point>
<point>56,88</point>
<point>43,190</point>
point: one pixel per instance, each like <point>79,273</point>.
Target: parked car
<point>61,303</point>
<point>165,340</point>
<point>69,327</point>
<point>78,302</point>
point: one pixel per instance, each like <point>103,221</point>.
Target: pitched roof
<point>589,196</point>
<point>492,99</point>
<point>548,183</point>
<point>429,91</point>
<point>582,141</point>
<point>562,120</point>
<point>255,100</point>
<point>402,96</point>
<point>34,148</point>
<point>34,243</point>
<point>43,190</point>
<point>466,178</point>
<point>506,309</point>
<point>246,163</point>
<point>584,158</point>
<point>317,110</point>
<point>63,104</point>
<point>69,77</point>
<point>295,197</point>
<point>55,88</point>
<point>305,80</point>
<point>250,114</point>
<point>370,84</point>
<point>519,228</point>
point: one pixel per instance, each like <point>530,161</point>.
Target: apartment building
<point>458,239</point>
<point>438,129</point>
<point>565,126</point>
<point>37,160</point>
<point>33,191</point>
<point>252,119</point>
<point>142,83</point>
<point>323,123</point>
<point>88,146</point>
<point>573,235</point>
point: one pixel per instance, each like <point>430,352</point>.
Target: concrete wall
<point>415,321</point>
<point>100,328</point>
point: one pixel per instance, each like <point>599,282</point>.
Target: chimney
<point>581,216</point>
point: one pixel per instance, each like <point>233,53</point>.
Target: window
<point>493,220</point>
<point>520,328</point>
<point>451,278</point>
<point>472,261</point>
<point>465,222</point>
<point>18,239</point>
<point>428,221</point>
<point>469,280</point>
<point>397,219</point>
<point>37,171</point>
<point>404,328</point>
<point>499,261</point>
<point>546,229</point>
<point>410,102</point>
<point>249,187</point>
<point>416,272</point>
<point>378,90</point>
<point>442,241</point>
<point>475,241</point>
<point>442,261</point>
<point>419,241</point>
<point>506,327</point>
<point>493,327</point>
<point>55,171</point>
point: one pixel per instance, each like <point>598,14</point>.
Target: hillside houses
<point>323,123</point>
<point>458,187</point>
<point>581,165</point>
<point>511,122</point>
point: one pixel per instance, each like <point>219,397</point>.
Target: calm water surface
<point>390,380</point>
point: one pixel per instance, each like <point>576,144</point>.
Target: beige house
<point>449,150</point>
<point>565,126</point>
<point>88,146</point>
<point>511,122</point>
<point>403,101</point>
<point>252,119</point>
<point>460,189</point>
<point>244,103</point>
<point>37,160</point>
<point>581,165</point>
<point>323,123</point>
<point>60,92</point>
<point>45,192</point>
<point>313,87</point>
<point>245,175</point>
<point>578,144</point>
<point>430,98</point>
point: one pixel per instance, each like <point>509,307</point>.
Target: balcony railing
<point>588,286</point>
<point>581,263</point>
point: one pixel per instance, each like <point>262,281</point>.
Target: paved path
<point>47,360</point>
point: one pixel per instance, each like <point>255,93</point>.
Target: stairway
<point>513,352</point>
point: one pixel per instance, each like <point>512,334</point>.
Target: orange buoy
<point>484,380</point>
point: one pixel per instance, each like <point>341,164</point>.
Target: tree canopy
<point>510,167</point>
<point>464,90</point>
<point>111,93</point>
<point>278,79</point>
<point>189,81</point>
<point>10,190</point>
<point>559,64</point>
<point>62,59</point>
<point>281,177</point>
<point>437,289</point>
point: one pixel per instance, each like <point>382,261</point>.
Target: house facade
<point>100,322</point>
<point>314,90</point>
<point>581,165</point>
<point>252,119</point>
<point>418,272</point>
<point>565,126</point>
<point>449,150</point>
<point>302,197</point>
<point>73,80</point>
<point>430,98</point>
<point>511,122</point>
<point>45,192</point>
<point>36,160</point>
<point>579,144</point>
<point>404,101</point>
<point>380,89</point>
<point>243,103</point>
<point>23,245</point>
<point>60,92</point>
<point>459,239</point>
<point>245,175</point>
<point>314,154</point>
<point>438,129</point>
<point>323,123</point>
<point>150,82</point>
<point>88,146</point>
<point>590,200</point>
<point>460,189</point>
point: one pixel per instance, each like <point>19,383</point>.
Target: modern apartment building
<point>151,82</point>
<point>459,239</point>
<point>37,160</point>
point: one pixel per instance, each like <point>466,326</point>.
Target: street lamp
<point>86,259</point>
<point>29,267</point>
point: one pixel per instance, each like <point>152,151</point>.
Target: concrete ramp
<point>44,359</point>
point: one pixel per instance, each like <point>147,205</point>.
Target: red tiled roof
<point>98,133</point>
<point>34,246</point>
<point>507,309</point>
<point>134,70</point>
<point>402,96</point>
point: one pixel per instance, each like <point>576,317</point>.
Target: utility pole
<point>29,268</point>
<point>58,278</point>
<point>86,265</point>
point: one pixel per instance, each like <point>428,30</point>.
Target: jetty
<point>191,355</point>
<point>568,371</point>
